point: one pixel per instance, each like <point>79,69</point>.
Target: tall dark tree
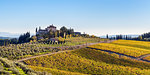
<point>70,31</point>
<point>126,37</point>
<point>107,36</point>
<point>146,35</point>
<point>36,30</point>
<point>24,38</point>
<point>63,31</point>
<point>119,37</point>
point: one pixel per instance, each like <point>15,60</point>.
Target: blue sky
<point>97,17</point>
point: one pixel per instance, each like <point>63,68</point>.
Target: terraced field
<point>89,61</point>
<point>55,71</point>
<point>131,43</point>
<point>126,47</point>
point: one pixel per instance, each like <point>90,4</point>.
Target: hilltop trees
<point>143,37</point>
<point>107,36</point>
<point>33,39</point>
<point>24,38</point>
<point>146,35</point>
<point>64,31</point>
<point>70,31</point>
<point>140,37</point>
<point>51,34</point>
<point>125,37</point>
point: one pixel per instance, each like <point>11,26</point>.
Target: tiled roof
<point>51,26</point>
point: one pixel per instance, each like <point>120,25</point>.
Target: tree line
<point>143,37</point>
<point>125,37</point>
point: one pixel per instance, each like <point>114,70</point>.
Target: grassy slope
<point>90,61</point>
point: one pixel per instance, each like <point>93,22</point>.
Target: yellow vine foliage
<point>54,71</point>
<point>131,48</point>
<point>89,61</point>
<point>132,43</point>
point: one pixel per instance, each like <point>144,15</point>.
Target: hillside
<point>89,61</point>
<point>131,43</point>
<point>125,47</point>
<point>19,51</point>
<point>120,57</point>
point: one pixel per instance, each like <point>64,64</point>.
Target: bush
<point>14,70</point>
<point>4,72</point>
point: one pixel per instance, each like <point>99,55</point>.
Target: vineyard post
<point>86,44</point>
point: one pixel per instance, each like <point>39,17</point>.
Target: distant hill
<point>10,35</point>
<point>4,37</point>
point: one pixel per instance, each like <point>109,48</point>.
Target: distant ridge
<point>9,35</point>
<point>4,37</point>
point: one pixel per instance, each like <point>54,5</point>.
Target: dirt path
<point>79,46</point>
<point>42,55</point>
<point>143,56</point>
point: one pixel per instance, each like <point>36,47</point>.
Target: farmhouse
<point>51,32</point>
<point>46,30</point>
<point>41,32</point>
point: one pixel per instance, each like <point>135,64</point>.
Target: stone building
<point>44,31</point>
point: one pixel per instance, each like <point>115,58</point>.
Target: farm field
<point>89,61</point>
<point>55,71</point>
<point>75,41</point>
<point>20,51</point>
<point>127,47</point>
<point>137,44</point>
